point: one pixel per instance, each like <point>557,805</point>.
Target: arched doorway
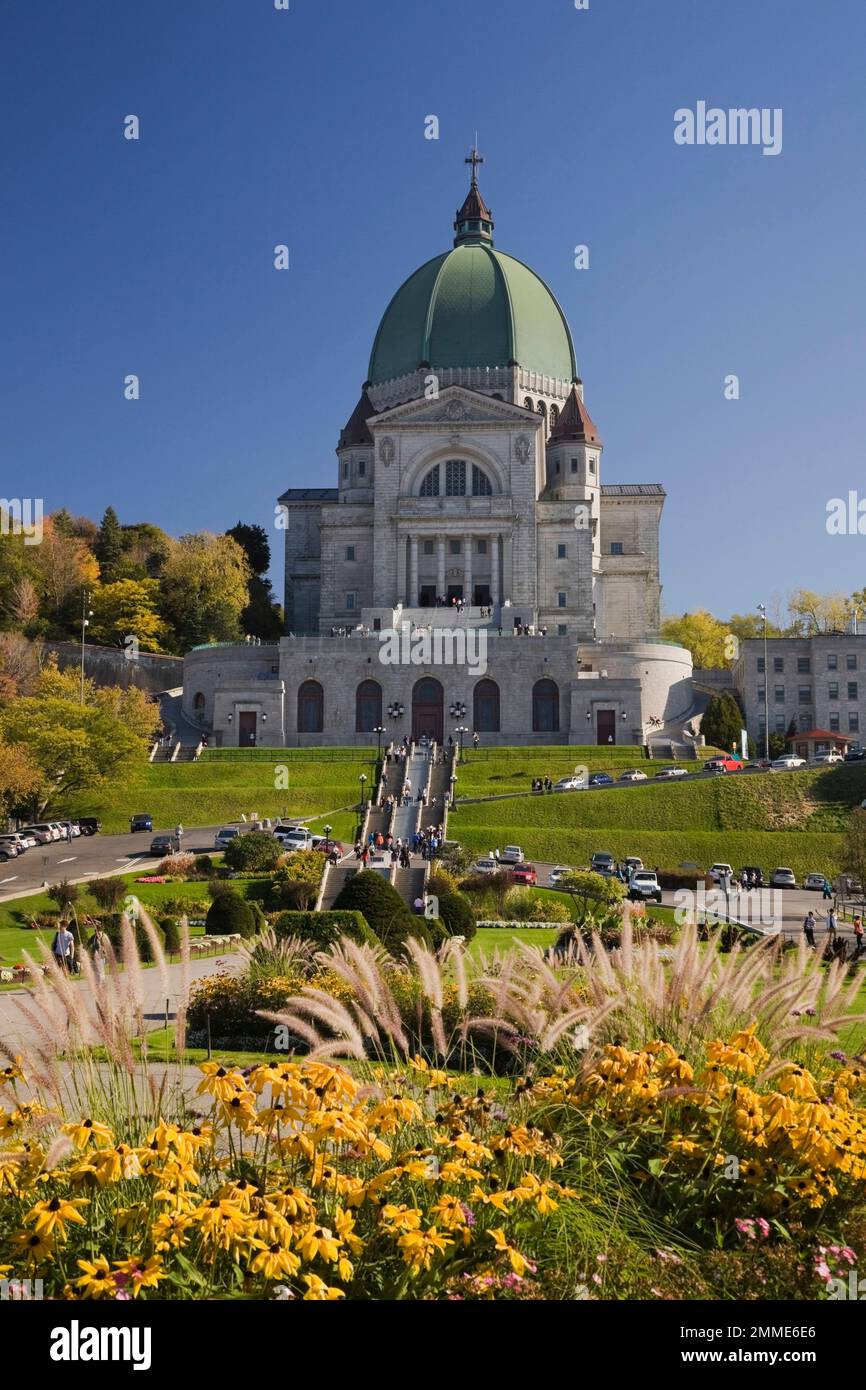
<point>428,709</point>
<point>486,707</point>
<point>545,707</point>
<point>368,707</point>
<point>311,708</point>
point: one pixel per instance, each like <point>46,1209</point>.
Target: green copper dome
<point>472,307</point>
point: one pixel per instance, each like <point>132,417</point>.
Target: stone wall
<point>112,666</point>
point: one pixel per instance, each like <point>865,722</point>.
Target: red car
<point>328,846</point>
<point>524,873</point>
<point>724,764</point>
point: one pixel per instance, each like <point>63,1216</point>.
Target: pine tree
<point>109,544</point>
<point>722,721</point>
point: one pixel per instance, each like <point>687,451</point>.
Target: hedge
<point>326,928</point>
<point>229,914</point>
<point>382,908</point>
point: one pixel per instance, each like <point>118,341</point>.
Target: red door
<point>428,709</point>
<point>605,726</point>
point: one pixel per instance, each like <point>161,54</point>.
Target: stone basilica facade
<point>469,500</point>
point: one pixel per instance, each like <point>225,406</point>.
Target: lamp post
<point>762,609</point>
<point>363,781</point>
<point>327,829</point>
<point>460,730</point>
<point>86,615</point>
<point>396,710</point>
<point>457,710</point>
<point>451,783</point>
<point>379,731</point>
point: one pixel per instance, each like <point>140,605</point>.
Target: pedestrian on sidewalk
<point>858,936</point>
<point>831,927</point>
<point>827,891</point>
<point>63,948</point>
<point>809,927</point>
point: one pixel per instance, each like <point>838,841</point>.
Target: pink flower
<point>763,1226</point>
<point>746,1227</point>
<point>822,1270</point>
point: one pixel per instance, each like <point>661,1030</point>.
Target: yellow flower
<point>318,1240</point>
<point>420,1248</point>
<point>97,1278</point>
<point>51,1217</point>
<point>34,1244</point>
<point>110,1165</point>
<point>318,1291</point>
<point>219,1082</point>
<point>168,1231</point>
<point>399,1218</point>
<point>518,1263</point>
<point>9,1075</point>
<point>275,1262</point>
<point>83,1132</point>
<point>136,1274</point>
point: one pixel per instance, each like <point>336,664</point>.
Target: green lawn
<point>215,792</point>
<point>794,819</point>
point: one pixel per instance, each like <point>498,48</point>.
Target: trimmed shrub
<point>229,914</point>
<point>253,852</point>
<point>204,865</point>
<point>218,886</point>
<point>171,933</point>
<point>142,941</point>
<point>109,893</point>
<point>456,916</point>
<point>295,884</point>
<point>325,928</point>
<point>382,908</point>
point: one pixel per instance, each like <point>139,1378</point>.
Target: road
<point>88,856</point>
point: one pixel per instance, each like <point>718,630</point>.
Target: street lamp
<point>457,710</point>
<point>763,612</point>
<point>460,731</point>
<point>379,731</point>
<point>396,710</point>
<point>451,782</point>
<point>86,615</point>
<point>363,780</point>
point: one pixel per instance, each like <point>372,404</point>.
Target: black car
<point>163,844</point>
<point>140,823</point>
<point>754,874</point>
<point>89,825</point>
<point>855,754</point>
<point>600,779</point>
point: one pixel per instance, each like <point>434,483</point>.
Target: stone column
<point>467,569</point>
<point>440,565</point>
<point>495,597</point>
<point>508,566</point>
<point>413,571</point>
<point>401,595</point>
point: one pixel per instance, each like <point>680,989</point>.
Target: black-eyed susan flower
<point>84,1132</point>
<point>51,1217</point>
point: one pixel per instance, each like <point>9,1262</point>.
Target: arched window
<point>527,404</point>
<point>198,702</point>
<point>368,707</point>
<point>554,416</point>
<point>481,485</point>
<point>455,478</point>
<point>486,707</point>
<point>430,485</point>
<point>541,408</point>
<point>545,707</point>
<point>311,708</point>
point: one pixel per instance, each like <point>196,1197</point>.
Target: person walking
<point>827,891</point>
<point>98,952</point>
<point>475,742</point>
<point>858,936</point>
<point>178,835</point>
<point>831,927</point>
<point>809,927</point>
<point>63,948</point>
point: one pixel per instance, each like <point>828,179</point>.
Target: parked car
<point>21,842</point>
<point>755,874</point>
<point>163,844</point>
<point>569,784</point>
<point>558,873</point>
<point>815,882</point>
<point>9,846</point>
<point>512,854</point>
<point>825,759</point>
<point>724,763</point>
<point>645,886</point>
<point>603,864</point>
<point>524,873</point>
<point>5,855</point>
<point>789,762</point>
<point>297,838</point>
<point>485,866</point>
<point>42,833</point>
<point>225,836</point>
<point>633,862</point>
<point>668,774</point>
<point>855,754</point>
<point>89,825</point>
<point>633,774</point>
<point>718,872</point>
<point>142,822</point>
<point>783,878</point>
<point>601,779</point>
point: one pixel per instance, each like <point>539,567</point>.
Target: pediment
<point>456,405</point>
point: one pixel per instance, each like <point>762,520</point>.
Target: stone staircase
<point>410,883</point>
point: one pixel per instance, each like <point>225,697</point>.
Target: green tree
<point>108,547</point>
<point>722,721</point>
<point>593,895</point>
<point>812,613</point>
<point>204,589</point>
<point>382,907</point>
<point>127,608</point>
<point>262,616</point>
<point>253,852</point>
<point>229,914</point>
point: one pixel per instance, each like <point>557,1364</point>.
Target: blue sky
<point>307,127</point>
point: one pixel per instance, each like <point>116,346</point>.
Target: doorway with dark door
<point>454,591</point>
<point>247,728</point>
<point>605,726</point>
<point>428,709</point>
